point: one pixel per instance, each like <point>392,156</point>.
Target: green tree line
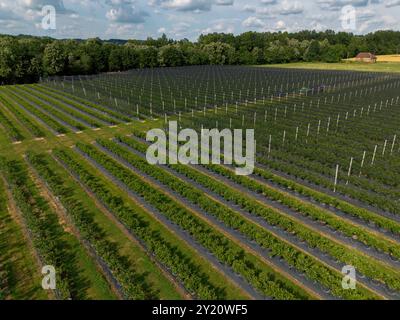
<point>24,59</point>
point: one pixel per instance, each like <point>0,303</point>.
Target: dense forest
<point>26,58</point>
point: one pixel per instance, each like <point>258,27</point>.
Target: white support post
<point>284,137</point>
<point>337,121</point>
<point>362,162</point>
<point>308,132</point>
<point>336,178</point>
<point>393,143</point>
<point>384,148</point>
<point>329,123</point>
<point>269,145</point>
<point>349,172</point>
<point>373,156</point>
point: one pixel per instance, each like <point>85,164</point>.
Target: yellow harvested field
<point>382,58</point>
<point>389,58</point>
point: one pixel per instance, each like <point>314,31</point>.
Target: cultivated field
<point>76,190</point>
<point>380,66</point>
<point>383,58</point>
<point>389,58</point>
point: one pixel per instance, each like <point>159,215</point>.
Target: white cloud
<point>249,8</point>
<point>290,7</point>
<point>180,19</point>
<point>268,2</point>
<point>224,2</point>
<point>384,22</point>
<point>392,3</point>
<point>336,5</point>
<point>253,22</point>
<point>190,5</point>
<point>125,11</point>
<point>126,15</point>
<point>184,5</point>
<point>265,12</point>
<point>118,30</point>
<point>223,25</point>
<point>284,8</point>
<point>280,25</point>
<point>39,4</point>
<point>318,26</point>
<point>365,14</point>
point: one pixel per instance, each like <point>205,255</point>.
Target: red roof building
<point>366,57</point>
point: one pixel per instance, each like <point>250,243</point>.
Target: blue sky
<point>179,19</point>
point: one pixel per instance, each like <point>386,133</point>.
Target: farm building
<point>366,57</point>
